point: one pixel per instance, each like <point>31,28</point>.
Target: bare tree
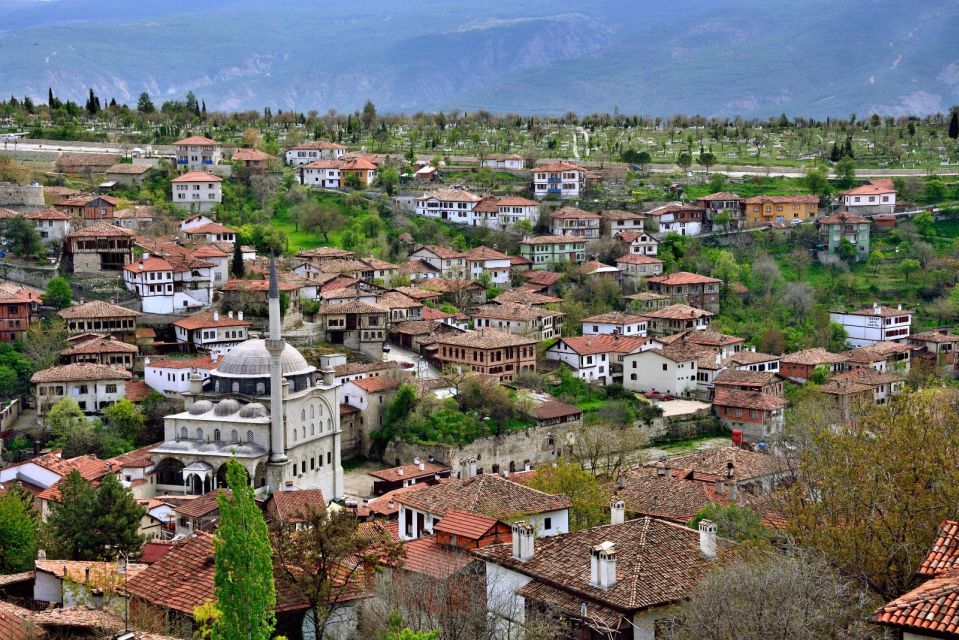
<point>321,218</point>
<point>606,450</point>
<point>792,596</point>
<point>800,297</point>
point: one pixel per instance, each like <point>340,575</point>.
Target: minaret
<point>275,344</point>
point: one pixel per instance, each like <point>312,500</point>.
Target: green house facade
<point>845,226</point>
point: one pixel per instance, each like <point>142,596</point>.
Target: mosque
<point>265,406</point>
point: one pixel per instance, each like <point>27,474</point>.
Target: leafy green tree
<point>70,429</point>
<point>368,117</point>
<point>725,267</point>
<point>24,238</point>
<point>18,534</point>
<point>322,218</point>
<point>874,261</point>
<point>707,159</point>
<point>684,160</point>
<point>847,250</point>
<point>841,503</point>
<point>43,342</point>
<point>907,267</point>
<point>846,171</point>
<point>125,418</point>
<point>733,522</point>
<point>590,500</point>
<point>925,223</point>
<point>816,182</point>
<point>721,220</point>
<point>58,295</point>
<point>243,580</point>
<point>935,191</point>
<point>389,179</point>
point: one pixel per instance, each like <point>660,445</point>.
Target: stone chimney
<point>401,471</point>
<point>464,469</point>
<point>229,314</point>
<point>707,538</point>
<point>212,356</point>
<point>422,466</point>
<point>239,315</point>
<point>617,511</point>
<point>216,316</point>
<point>41,554</point>
<point>329,374</point>
<point>661,468</point>
<point>472,467</point>
<point>602,565</point>
<point>523,541</point>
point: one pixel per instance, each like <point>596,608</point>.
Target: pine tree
<point>50,97</point>
<point>70,518</point>
<point>243,581</point>
<point>117,518</point>
<point>145,104</point>
<point>954,125</point>
<point>239,269</point>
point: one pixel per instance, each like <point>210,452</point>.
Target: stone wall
<point>31,276</point>
<point>534,446</point>
<point>701,423</point>
<point>23,198</point>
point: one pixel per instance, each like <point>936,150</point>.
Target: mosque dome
<point>251,359</point>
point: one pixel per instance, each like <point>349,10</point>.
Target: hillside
<point>731,57</point>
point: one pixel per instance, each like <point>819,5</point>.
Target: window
<point>665,367</point>
<point>329,457</point>
<point>249,437</point>
<point>199,434</point>
<point>547,523</point>
<point>111,388</point>
<point>216,435</point>
<point>183,433</point>
<point>234,436</point>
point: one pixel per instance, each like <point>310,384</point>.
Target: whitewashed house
<point>196,190</point>
<point>171,377</point>
<point>325,174</point>
<point>309,152</point>
<point>671,369</point>
<point>197,152</point>
<point>53,225</point>
<point>172,285</point>
<point>596,358</point>
<point>503,161</point>
<point>211,332</point>
<point>874,324</point>
<point>623,324</point>
<point>559,180</point>
<point>452,205</point>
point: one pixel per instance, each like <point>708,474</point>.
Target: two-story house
<point>519,319</point>
<point>171,376</point>
<point>763,210</point>
<point>324,174</point>
<point>360,326</point>
<point>196,190</point>
<point>93,386</point>
<point>616,220</point>
<point>623,324</point>
<point>480,260</point>
<point>205,229</point>
<point>596,358</point>
<point>449,263</point>
<point>676,318</point>
<point>682,218</point>
<point>544,251</point>
<point>559,180</point>
<point>212,332</point>
<point>53,225</point>
<point>487,351</point>
<point>688,288</point>
<point>452,205</point>
<point>570,221</point>
<point>670,369</point>
<point>98,316</point>
<point>99,247</point>
<point>19,307</point>
<point>874,324</point>
<point>876,196</point>
<point>100,349</point>
<point>308,152</point>
<point>723,202</point>
<point>167,288</point>
<point>637,266</point>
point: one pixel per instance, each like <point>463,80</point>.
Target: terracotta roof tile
<point>488,494</point>
<point>678,312</point>
<point>79,372</point>
<point>197,176</point>
<point>409,471</point>
<point>814,357</point>
<point>683,278</point>
<point>747,465</point>
<point>425,556</point>
<point>196,141</point>
<point>136,390</point>
<point>747,400</point>
<point>603,343</point>
<point>944,554</point>
<point>930,608</point>
<point>485,339</point>
<point>204,320</point>
<point>290,505</point>
<point>101,230</point>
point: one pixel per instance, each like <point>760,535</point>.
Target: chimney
<point>212,356</point>
<point>464,469</point>
<point>617,511</point>
<point>41,554</point>
<point>239,315</point>
<point>523,545</point>
<point>328,372</point>
<point>602,565</point>
<point>707,538</point>
<point>229,314</point>
<point>144,256</point>
<point>505,473</point>
<point>720,487</point>
<point>416,460</point>
<point>661,468</point>
<point>472,467</point>
<point>422,466</point>
<point>899,307</point>
<point>146,362</point>
<point>401,471</point>
<point>216,316</point>
<point>391,505</point>
<point>527,466</point>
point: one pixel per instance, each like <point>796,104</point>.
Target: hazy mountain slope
<point>646,56</point>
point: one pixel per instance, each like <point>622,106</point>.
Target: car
<point>795,222</point>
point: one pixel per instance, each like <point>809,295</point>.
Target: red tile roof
<point>843,217</point>
<point>425,556</point>
<point>200,362</point>
<point>603,343</point>
<point>79,372</point>
<point>678,312</point>
<point>204,320</point>
<point>246,155</point>
<point>747,465</point>
<point>409,471</point>
<point>683,278</point>
<point>377,384</point>
<point>870,189</point>
<point>559,166</point>
<point>99,345</point>
<point>637,258</point>
<point>197,141</point>
<point>572,213</point>
<point>152,263</point>
<point>747,400</point>
<point>197,176</point>
<point>291,505</point>
<point>16,623</point>
<point>488,494</point>
<point>136,390</point>
<point>465,524</point>
<point>930,608</point>
<point>944,555</point>
<point>101,230</point>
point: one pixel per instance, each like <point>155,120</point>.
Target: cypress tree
<point>954,124</point>
<point>243,580</point>
<point>239,269</point>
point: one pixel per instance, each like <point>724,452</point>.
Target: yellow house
<point>363,169</point>
<point>761,210</point>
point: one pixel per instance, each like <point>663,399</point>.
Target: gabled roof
<point>250,155</point>
<point>630,236</point>
<point>663,493</point>
<point>48,214</point>
<point>201,505</point>
<point>747,400</point>
<point>658,563</point>
<point>465,524</point>
<point>683,278</point>
<point>678,312</point>
<point>99,345</point>
<point>451,195</point>
<point>813,357</point>
<point>317,145</point>
<point>870,189</point>
<point>843,217</point>
<point>513,311</point>
<point>153,263</point>
<point>407,471</point>
<point>746,465</point>
<point>205,320</point>
<point>130,169</point>
<point>197,141</point>
<point>485,339</point>
<point>444,253</point>
<point>559,166</point>
<point>79,372</point>
<point>721,196</point>
<point>424,555</point>
<point>603,343</point>
<point>291,505</point>
<point>101,230</point>
<point>377,384</point>
<point>200,362</point>
<point>930,608</point>
<point>521,296</point>
<point>637,258</point>
<point>488,494</point>
<point>573,213</point>
<point>484,253</point>
<point>554,240</point>
<point>197,176</point>
<point>615,317</point>
<point>782,199</point>
<point>944,554</point>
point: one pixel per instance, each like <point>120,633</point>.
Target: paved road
<point>399,354</point>
<point>11,145</point>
